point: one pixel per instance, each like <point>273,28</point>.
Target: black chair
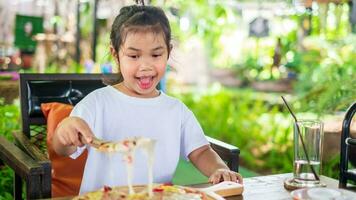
<point>28,158</point>
<point>348,149</point>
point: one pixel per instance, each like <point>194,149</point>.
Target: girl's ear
<point>170,49</point>
<point>113,51</point>
<point>114,54</point>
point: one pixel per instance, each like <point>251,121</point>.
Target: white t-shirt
<point>114,116</point>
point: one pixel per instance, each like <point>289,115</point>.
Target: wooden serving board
<point>223,189</point>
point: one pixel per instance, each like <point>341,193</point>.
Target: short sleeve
<point>82,111</point>
<point>192,134</point>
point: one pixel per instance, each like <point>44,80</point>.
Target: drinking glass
<point>308,135</point>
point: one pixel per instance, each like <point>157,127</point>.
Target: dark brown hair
<point>139,18</point>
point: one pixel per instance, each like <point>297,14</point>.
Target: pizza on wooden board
<point>159,192</point>
<point>166,192</point>
<point>152,191</point>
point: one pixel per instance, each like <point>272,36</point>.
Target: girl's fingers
<point>215,178</point>
<point>236,177</point>
<point>61,139</point>
<point>85,131</point>
<point>64,139</point>
<point>239,177</point>
<point>233,177</point>
<point>211,178</point>
<point>68,137</point>
<point>74,139</point>
<point>82,140</point>
<point>226,176</point>
<point>80,133</point>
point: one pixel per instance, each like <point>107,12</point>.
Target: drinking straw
<point>301,139</point>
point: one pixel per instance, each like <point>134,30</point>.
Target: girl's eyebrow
<point>157,48</point>
<point>134,49</point>
<point>154,49</point>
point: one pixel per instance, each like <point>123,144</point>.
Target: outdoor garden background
<point>229,71</point>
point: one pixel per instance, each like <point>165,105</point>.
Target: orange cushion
<point>66,172</point>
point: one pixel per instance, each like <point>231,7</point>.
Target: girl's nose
<point>146,65</point>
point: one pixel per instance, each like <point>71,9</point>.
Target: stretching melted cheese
<point>127,148</point>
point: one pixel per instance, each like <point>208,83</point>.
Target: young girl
<point>140,43</point>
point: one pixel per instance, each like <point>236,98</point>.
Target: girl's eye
<point>156,55</point>
<point>133,56</point>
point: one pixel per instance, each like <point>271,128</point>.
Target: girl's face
<point>142,61</point>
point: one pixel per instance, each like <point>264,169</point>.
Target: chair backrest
<point>64,88</point>
<point>348,148</point>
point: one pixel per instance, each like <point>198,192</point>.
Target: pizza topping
<point>126,143</point>
<point>158,190</point>
<point>171,188</point>
<point>107,188</point>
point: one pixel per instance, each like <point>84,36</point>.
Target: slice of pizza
<point>127,148</point>
<point>109,146</point>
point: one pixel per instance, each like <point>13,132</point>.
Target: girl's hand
<point>225,175</point>
<point>73,131</point>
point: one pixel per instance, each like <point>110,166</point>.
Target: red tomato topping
<point>157,190</point>
<point>107,188</point>
<point>126,143</point>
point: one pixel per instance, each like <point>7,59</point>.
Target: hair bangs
<point>156,29</point>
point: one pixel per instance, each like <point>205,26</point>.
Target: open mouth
<point>145,82</point>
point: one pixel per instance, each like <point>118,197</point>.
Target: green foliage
<point>86,19</point>
<point>255,123</point>
<point>243,118</point>
<point>6,179</point>
<point>9,115</point>
<point>208,21</point>
<point>331,167</point>
<point>326,82</point>
<point>10,118</point>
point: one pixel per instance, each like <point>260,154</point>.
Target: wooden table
<point>266,188</point>
<point>271,187</point>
